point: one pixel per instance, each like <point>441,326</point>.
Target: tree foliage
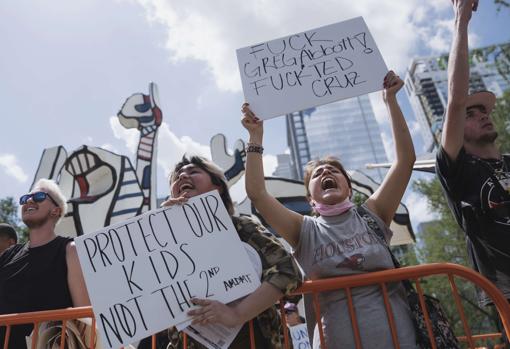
<point>501,119</point>
<point>443,240</point>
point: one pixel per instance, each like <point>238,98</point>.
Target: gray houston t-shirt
<point>345,245</point>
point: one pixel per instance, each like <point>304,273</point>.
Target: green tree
<point>9,214</point>
<point>444,241</point>
<point>501,119</point>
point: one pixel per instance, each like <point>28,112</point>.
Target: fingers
<point>174,201</point>
<point>247,112</point>
<point>204,319</point>
<point>391,79</point>
<point>249,120</point>
<point>205,314</point>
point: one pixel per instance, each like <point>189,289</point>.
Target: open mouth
<point>328,183</point>
<point>185,187</point>
<point>30,209</point>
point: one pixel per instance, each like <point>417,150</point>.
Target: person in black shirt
<point>44,273</point>
<point>475,176</point>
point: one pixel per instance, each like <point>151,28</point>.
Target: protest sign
<point>217,336</point>
<point>311,68</point>
<point>142,273</point>
<point>300,339</point>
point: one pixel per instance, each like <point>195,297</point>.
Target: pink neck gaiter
<point>333,210</point>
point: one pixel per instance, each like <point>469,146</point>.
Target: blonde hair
<point>52,188</point>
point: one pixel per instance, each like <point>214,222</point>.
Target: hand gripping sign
<point>142,273</point>
<point>311,68</point>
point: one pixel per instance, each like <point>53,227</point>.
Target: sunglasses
<point>38,196</point>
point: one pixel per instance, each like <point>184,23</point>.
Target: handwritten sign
<point>300,339</point>
<point>142,273</point>
<point>316,67</point>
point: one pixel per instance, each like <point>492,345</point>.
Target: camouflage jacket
<point>278,268</point>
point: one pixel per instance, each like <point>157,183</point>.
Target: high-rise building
<point>283,167</point>
<point>427,84</point>
<point>346,129</point>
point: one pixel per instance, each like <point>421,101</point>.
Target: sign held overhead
<point>311,68</point>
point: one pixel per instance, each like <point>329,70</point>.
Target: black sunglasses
<point>38,196</point>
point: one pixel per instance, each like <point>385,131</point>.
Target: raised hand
<point>253,124</point>
<point>392,84</point>
<point>464,8</point>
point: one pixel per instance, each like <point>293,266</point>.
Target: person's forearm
<point>458,63</point>
<point>262,298</point>
<point>404,148</point>
<point>254,175</point>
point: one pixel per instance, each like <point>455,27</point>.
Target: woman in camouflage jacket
<point>280,274</point>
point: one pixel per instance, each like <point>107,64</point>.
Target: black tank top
<point>33,279</point>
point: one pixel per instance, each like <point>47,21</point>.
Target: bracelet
<point>254,148</point>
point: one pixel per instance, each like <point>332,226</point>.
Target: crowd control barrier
<point>346,283</point>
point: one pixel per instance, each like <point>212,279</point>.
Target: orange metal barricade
<point>414,273</point>
<point>346,283</point>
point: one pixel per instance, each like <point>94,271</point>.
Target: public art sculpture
<point>105,188</point>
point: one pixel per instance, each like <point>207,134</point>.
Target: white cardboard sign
<point>311,68</point>
<point>141,273</point>
<point>300,339</point>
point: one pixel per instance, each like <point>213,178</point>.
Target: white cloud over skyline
<point>10,166</point>
<point>211,31</point>
<point>70,67</point>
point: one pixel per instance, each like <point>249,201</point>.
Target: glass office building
<point>346,129</point>
<point>427,85</point>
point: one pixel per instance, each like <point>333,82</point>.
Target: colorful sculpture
<point>104,188</point>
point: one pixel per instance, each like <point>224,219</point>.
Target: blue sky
<point>66,67</point>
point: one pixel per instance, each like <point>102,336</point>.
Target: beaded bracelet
<point>254,148</point>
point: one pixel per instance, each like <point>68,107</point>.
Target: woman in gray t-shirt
<point>339,241</point>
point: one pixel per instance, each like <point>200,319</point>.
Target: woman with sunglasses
<point>280,274</point>
<point>339,241</point>
<point>43,273</point>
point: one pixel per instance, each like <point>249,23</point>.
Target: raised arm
<point>452,137</point>
<point>285,222</point>
<point>384,202</point>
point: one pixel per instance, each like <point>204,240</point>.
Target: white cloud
<point>419,210</point>
<point>10,164</point>
<point>171,148</point>
<point>270,163</point>
<point>129,136</point>
<point>211,31</point>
